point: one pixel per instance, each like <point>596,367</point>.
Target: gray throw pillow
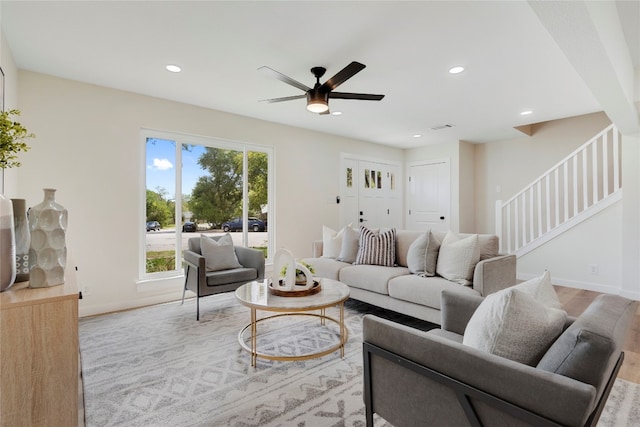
<point>513,324</point>
<point>219,255</point>
<point>542,290</point>
<point>422,256</point>
<point>458,257</point>
<point>349,250</point>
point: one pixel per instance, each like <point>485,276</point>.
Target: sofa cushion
<point>458,257</point>
<point>590,347</point>
<point>424,290</point>
<point>326,267</point>
<point>373,278</point>
<point>349,249</point>
<point>422,256</point>
<point>235,275</point>
<point>219,254</point>
<point>513,324</point>
<point>377,248</point>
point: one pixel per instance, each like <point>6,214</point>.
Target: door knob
<point>442,218</point>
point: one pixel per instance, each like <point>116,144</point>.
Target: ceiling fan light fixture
<point>317,102</point>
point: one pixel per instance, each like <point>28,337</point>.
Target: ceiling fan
<point>318,96</point>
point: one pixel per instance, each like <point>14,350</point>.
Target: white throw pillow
<point>458,257</point>
<point>377,248</point>
<point>219,255</point>
<point>422,256</point>
<point>542,290</point>
<point>513,324</point>
<point>349,249</point>
<point>331,242</point>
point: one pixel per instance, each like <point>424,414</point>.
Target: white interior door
<point>429,196</point>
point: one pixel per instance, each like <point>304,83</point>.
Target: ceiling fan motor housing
<point>317,100</point>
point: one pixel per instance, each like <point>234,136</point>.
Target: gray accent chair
<point>415,378</point>
<point>204,283</point>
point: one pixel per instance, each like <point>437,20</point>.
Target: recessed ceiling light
<point>336,113</point>
<point>525,113</point>
<point>456,70</point>
<point>173,68</point>
<point>417,135</point>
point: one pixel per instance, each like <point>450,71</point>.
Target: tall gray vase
<point>23,239</point>
<point>7,245</point>
<point>48,249</point>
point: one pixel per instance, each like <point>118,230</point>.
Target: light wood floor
<point>575,301</point>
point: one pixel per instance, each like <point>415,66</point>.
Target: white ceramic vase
<point>7,245</point>
<point>22,238</point>
<point>48,249</point>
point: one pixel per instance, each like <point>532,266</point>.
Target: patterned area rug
<point>158,366</point>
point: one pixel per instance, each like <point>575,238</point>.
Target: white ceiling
<point>512,63</point>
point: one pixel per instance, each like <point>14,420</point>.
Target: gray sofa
<point>396,289</point>
<point>415,378</point>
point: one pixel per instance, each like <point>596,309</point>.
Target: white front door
<point>429,196</point>
<point>370,194</point>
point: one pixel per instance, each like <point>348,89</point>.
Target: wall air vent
<point>440,127</point>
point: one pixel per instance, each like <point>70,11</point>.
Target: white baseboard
<point>96,309</point>
<point>596,287</point>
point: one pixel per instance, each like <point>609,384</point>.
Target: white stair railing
<point>585,182</point>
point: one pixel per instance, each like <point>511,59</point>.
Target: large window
<point>196,185</point>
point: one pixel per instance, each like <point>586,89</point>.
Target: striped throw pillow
<point>377,248</point>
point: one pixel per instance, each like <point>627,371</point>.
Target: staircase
<point>579,186</point>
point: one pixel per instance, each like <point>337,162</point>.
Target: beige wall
<point>467,197</point>
<point>10,101</point>
<point>88,146</point>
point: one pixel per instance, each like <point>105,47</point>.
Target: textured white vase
<point>48,249</point>
<point>22,238</point>
<point>7,245</point>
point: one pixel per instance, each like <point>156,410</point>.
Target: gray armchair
<point>415,378</point>
<point>197,279</point>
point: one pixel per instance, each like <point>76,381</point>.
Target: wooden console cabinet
<point>39,354</point>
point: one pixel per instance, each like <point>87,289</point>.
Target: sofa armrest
<point>494,274</point>
<point>562,399</point>
<point>251,258</point>
<point>194,259</point>
<point>316,249</point>
<point>456,309</point>
<point>195,262</point>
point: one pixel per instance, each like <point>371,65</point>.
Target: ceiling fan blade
<point>345,74</point>
<point>363,96</point>
<point>286,98</point>
<point>286,79</point>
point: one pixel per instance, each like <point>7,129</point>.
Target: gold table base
<point>253,326</point>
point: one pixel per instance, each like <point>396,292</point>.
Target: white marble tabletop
<point>256,295</point>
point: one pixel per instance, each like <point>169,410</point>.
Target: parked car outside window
<point>236,225</point>
<point>153,226</point>
<point>190,227</point>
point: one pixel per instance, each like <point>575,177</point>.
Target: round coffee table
<point>256,296</point>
